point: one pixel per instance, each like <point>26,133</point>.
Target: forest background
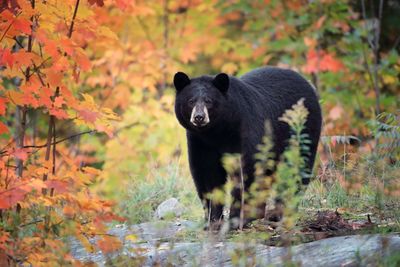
<point>88,134</point>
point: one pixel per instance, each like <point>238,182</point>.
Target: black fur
<point>238,109</point>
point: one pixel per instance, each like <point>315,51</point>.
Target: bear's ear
<point>221,81</point>
<point>180,81</point>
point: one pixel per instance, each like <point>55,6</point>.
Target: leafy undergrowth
<point>314,225</point>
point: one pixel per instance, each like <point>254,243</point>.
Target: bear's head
<point>199,101</point>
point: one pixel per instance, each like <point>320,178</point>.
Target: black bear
<point>225,114</point>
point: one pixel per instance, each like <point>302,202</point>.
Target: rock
<point>169,208</point>
<point>158,244</point>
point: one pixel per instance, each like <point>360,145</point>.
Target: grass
<point>144,194</point>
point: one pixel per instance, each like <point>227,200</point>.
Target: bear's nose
<point>199,118</point>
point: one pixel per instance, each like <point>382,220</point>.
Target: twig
<point>241,218</point>
<point>62,140</point>
<point>30,223</point>
<point>71,28</point>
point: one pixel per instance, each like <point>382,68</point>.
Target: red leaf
<point>83,61</point>
<point>30,99</point>
<point>59,113</point>
<point>7,57</point>
<point>45,97</point>
<point>59,186</point>
<point>59,101</point>
<point>54,78</point>
<point>320,22</point>
<point>23,25</point>
<point>122,4</point>
<point>21,153</point>
<point>23,58</point>
<point>321,61</point>
<point>32,86</point>
<point>7,15</point>
<point>109,244</point>
<point>67,46</point>
<point>331,64</point>
<point>88,115</point>
<point>61,65</point>
<point>97,2</point>
<point>3,128</point>
<point>3,102</point>
<point>51,48</point>
<point>10,198</point>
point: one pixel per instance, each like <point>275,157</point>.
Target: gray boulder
<point>170,208</point>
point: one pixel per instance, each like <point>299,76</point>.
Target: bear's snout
<point>199,116</point>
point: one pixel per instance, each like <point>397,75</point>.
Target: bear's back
<point>277,80</point>
<point>278,88</point>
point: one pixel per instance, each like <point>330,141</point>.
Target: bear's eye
<point>208,101</point>
<point>191,102</point>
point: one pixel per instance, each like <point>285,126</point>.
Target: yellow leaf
<point>106,32</point>
<point>389,79</point>
<point>132,238</point>
<point>229,68</point>
<point>91,170</point>
<point>85,242</point>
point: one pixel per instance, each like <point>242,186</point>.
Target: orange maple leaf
<point>59,101</point>
<point>321,61</point>
<point>109,244</point>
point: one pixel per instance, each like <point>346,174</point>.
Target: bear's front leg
<point>208,174</point>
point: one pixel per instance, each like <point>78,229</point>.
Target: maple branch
<point>126,127</point>
<point>22,128</point>
<point>52,119</point>
<point>62,140</point>
<point>18,42</point>
<point>71,28</point>
<point>48,145</point>
<point>374,45</point>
